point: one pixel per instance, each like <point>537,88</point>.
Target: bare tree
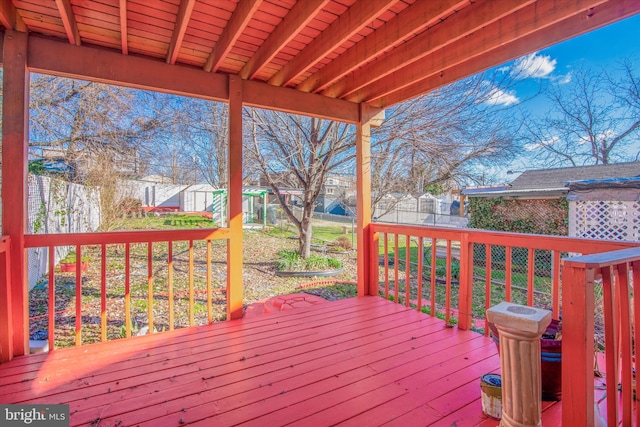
<point>103,133</point>
<point>593,119</point>
<point>203,127</point>
<point>304,148</point>
<point>80,120</point>
<point>444,138</point>
<point>438,139</point>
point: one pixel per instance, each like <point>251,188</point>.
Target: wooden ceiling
<point>378,52</point>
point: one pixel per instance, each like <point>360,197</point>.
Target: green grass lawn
<point>165,222</point>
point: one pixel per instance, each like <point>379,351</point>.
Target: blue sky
<point>600,48</point>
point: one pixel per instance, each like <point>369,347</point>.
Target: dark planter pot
<point>551,360</point>
<point>70,267</point>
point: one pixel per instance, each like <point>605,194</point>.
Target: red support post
<point>363,200</point>
<point>15,137</point>
<point>234,244</point>
<point>577,346</point>
<point>465,302</point>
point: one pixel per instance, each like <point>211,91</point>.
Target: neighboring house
<point>536,201</point>
<point>337,193</point>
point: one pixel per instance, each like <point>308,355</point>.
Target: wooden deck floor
<point>357,362</point>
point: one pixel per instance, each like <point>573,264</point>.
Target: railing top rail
<point>604,259</point>
<point>502,238</point>
<point>68,239</point>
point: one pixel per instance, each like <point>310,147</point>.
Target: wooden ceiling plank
<point>593,19</point>
<point>237,23</point>
<point>299,16</point>
<point>530,20</point>
<point>341,30</point>
<point>69,21</point>
<point>182,22</point>
<point>8,15</point>
<point>416,17</point>
<point>455,27</point>
<point>124,28</point>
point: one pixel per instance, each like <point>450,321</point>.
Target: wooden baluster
<point>170,285</point>
<point>447,314</point>
<point>52,298</point>
<point>395,269</point>
<point>419,274</point>
<point>127,289</point>
<point>78,295</point>
<point>555,284</point>
<point>407,270</point>
<point>507,275</point>
<point>386,266</point>
<point>191,287</point>
<point>209,297</point>
<point>487,285</point>
<point>434,260</point>
<point>530,276</point>
<point>150,287</point>
<point>103,293</point>
<point>625,343</point>
<point>636,321</point>
<point>611,345</point>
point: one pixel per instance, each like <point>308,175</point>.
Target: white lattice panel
<point>611,220</point>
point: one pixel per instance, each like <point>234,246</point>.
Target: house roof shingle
<point>542,179</point>
<point>553,182</point>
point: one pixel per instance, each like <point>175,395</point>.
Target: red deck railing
<point>460,264</point>
<point>151,239</point>
<point>487,261</point>
<point>617,272</point>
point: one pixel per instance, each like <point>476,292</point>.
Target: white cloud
<point>533,65</point>
<point>499,97</point>
<point>535,145</point>
<point>563,80</point>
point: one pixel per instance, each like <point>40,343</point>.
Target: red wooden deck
<point>360,362</point>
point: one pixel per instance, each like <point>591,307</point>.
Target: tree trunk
<point>306,232</point>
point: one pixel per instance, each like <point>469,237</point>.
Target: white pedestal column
<point>520,329</point>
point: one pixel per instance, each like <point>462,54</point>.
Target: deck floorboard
<point>355,362</point>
